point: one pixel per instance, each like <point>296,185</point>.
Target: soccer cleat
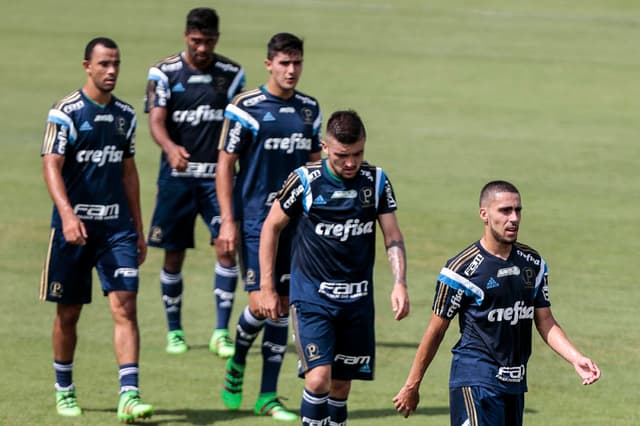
<point>221,345</point>
<point>232,388</point>
<point>131,407</point>
<point>176,343</point>
<point>67,403</point>
<point>268,404</point>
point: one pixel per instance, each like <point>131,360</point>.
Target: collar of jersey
<point>330,172</point>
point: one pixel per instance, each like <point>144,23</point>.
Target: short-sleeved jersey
<point>495,301</point>
<point>195,101</point>
<point>94,139</point>
<point>271,136</point>
<point>334,243</point>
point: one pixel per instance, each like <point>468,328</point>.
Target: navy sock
<point>128,377</point>
<point>224,288</point>
<point>337,411</point>
<point>172,298</point>
<point>248,328</point>
<point>64,373</point>
<point>274,346</point>
<point>314,408</point>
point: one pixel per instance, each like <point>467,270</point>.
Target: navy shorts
<point>178,202</point>
<point>481,406</point>
<point>250,263</point>
<point>343,337</point>
<point>66,277</point>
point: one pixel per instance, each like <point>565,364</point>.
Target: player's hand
<point>406,401</point>
<point>142,249</point>
<point>74,230</point>
<point>227,237</point>
<point>178,158</point>
<point>587,370</point>
<point>400,301</point>
<point>269,303</point>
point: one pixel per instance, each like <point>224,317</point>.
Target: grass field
<point>543,93</point>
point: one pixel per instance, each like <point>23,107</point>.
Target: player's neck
<point>96,95</point>
<point>496,248</point>
<point>277,91</point>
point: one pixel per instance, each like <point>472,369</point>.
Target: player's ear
<point>484,216</point>
<point>325,147</point>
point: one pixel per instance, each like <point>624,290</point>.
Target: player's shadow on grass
<point>186,416</point>
<point>209,417</point>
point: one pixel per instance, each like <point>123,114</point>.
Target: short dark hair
<point>494,187</point>
<point>102,41</point>
<point>346,127</point>
<point>285,43</point>
<point>203,19</point>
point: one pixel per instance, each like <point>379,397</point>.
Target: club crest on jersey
<point>121,126</point>
<point>307,115</point>
<point>366,196</point>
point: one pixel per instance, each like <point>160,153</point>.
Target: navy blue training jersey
<point>334,243</point>
<point>94,139</point>
<point>272,136</point>
<point>195,101</point>
<point>495,300</point>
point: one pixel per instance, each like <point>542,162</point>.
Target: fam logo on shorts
<point>56,289</point>
<point>312,352</point>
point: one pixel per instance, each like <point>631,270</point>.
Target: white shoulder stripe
<point>462,282</point>
<point>157,75</point>
<point>243,117</point>
<point>59,117</point>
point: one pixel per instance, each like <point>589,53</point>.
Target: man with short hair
<point>90,172</point>
<point>186,97</point>
<point>337,201</point>
<point>269,131</point>
<point>499,288</point>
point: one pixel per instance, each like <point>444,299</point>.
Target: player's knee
<point>340,389</point>
<point>318,379</point>
<point>68,315</point>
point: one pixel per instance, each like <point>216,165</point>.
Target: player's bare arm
<point>554,336</point>
<point>224,191</point>
<point>396,254</point>
<point>177,155</point>
<point>273,225</point>
<point>131,183</point>
<point>407,399</point>
<point>72,227</point>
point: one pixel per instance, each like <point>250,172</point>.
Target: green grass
<point>453,94</point>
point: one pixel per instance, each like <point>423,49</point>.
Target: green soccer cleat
<point>268,404</point>
<point>132,408</point>
<point>67,403</point>
<point>175,342</point>
<point>232,389</point>
<point>221,345</point>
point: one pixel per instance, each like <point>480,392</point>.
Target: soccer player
<point>186,97</point>
<point>337,202</point>
<point>90,172</point>
<point>499,288</point>
<point>269,131</point>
